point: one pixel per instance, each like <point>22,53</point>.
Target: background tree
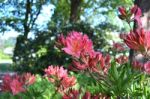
<point>93,17</point>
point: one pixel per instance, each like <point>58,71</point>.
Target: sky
<point>47,10</point>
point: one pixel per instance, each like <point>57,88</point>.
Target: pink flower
<point>136,40</point>
<point>87,95</point>
<point>147,40</point>
<point>137,65</point>
<point>16,87</point>
<point>6,83</point>
<point>68,82</point>
<point>61,41</point>
<point>59,77</point>
<point>122,59</point>
<point>76,43</point>
<point>122,11</point>
<point>147,67</point>
<point>118,47</point>
<point>16,84</point>
<point>105,63</point>
<point>95,62</point>
<point>29,79</point>
<point>58,72</point>
<point>122,35</point>
<point>79,65</point>
<point>136,11</point>
<point>71,94</point>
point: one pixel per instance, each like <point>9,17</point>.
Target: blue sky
<point>47,10</point>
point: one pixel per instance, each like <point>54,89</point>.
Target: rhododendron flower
<point>147,67</point>
<point>71,94</point>
<point>58,72</point>
<point>16,86</point>
<point>136,11</point>
<point>87,95</point>
<point>29,79</point>
<point>138,65</point>
<point>105,63</point>
<point>79,65</point>
<point>61,42</point>
<point>95,62</point>
<point>122,35</point>
<point>6,83</point>
<point>59,77</point>
<point>12,84</point>
<point>122,59</point>
<point>68,82</point>
<point>136,40</point>
<point>122,11</point>
<point>118,47</point>
<point>77,43</point>
<point>75,94</point>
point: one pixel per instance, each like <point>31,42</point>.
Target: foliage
<point>81,68</point>
<point>4,56</point>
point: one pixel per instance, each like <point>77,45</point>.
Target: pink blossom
<point>6,83</point>
<point>71,94</point>
<point>133,14</point>
<point>118,47</point>
<point>136,40</point>
<point>16,87</point>
<point>59,77</point>
<point>75,94</point>
<point>137,65</point>
<point>68,82</point>
<point>122,35</point>
<point>16,84</point>
<point>122,59</point>
<point>122,11</point>
<point>79,65</point>
<point>77,43</point>
<point>105,63</point>
<point>61,41</point>
<point>147,67</point>
<point>58,72</point>
<point>87,95</point>
<point>136,11</point>
<point>147,40</point>
<point>95,62</point>
<point>29,79</point>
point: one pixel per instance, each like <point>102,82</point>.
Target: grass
<point>4,56</point>
<point>5,62</point>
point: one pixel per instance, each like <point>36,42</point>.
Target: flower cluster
<point>76,43</point>
<point>80,47</point>
<point>122,59</point>
<point>137,39</point>
<point>16,84</point>
<point>59,77</point>
<point>118,47</point>
<point>129,15</point>
<point>76,94</point>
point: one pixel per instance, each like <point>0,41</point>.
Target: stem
<point>129,25</point>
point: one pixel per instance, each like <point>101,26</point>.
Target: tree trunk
<point>75,9</point>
